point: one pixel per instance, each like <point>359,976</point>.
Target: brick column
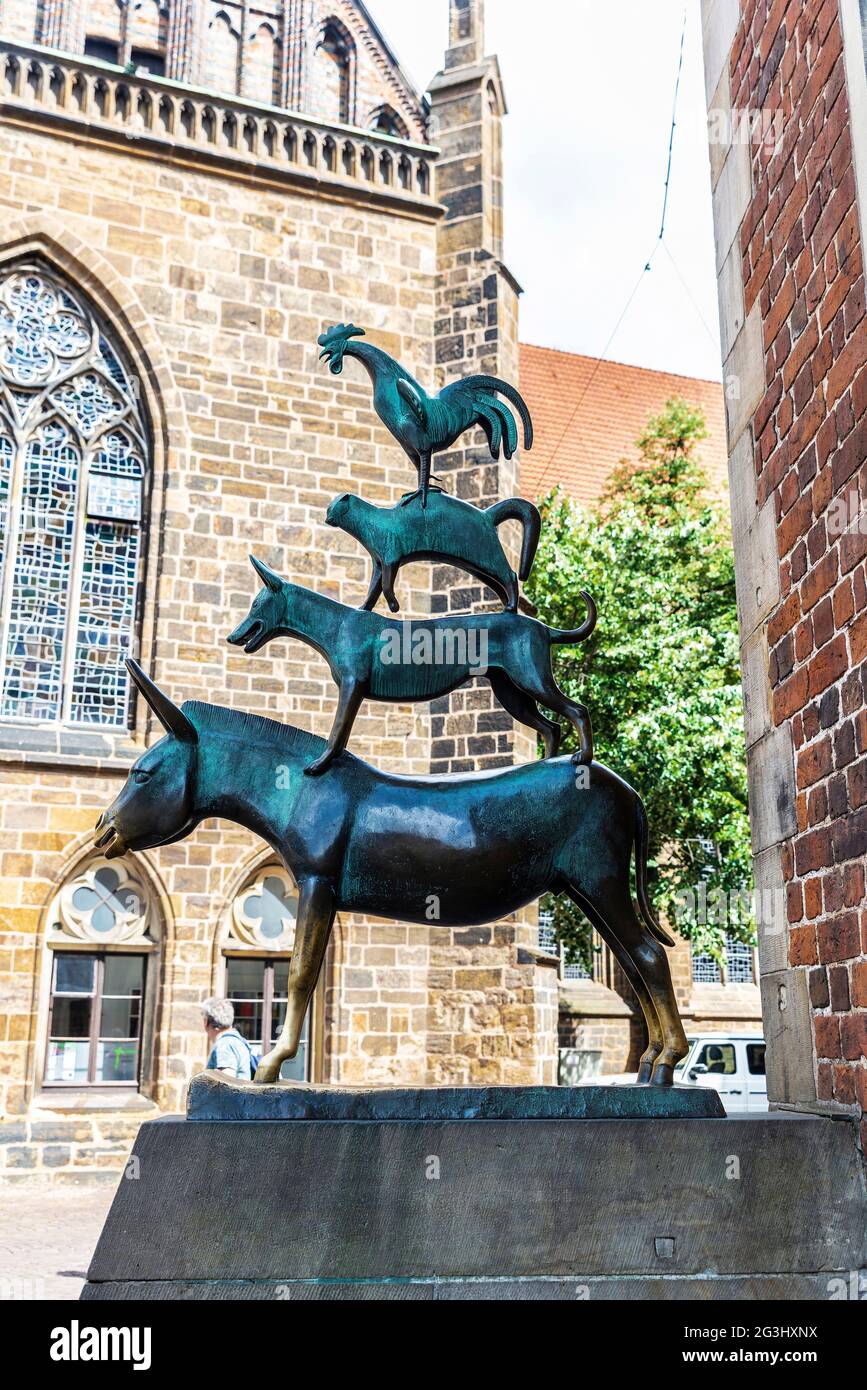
<point>493,1005</point>
<point>784,152</point>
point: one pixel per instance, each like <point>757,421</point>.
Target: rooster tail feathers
<point>493,383</point>
<point>491,424</point>
<point>517,509</point>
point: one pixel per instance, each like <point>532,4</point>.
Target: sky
<point>590,95</point>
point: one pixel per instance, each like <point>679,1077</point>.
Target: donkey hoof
<point>269,1068</point>
<point>663,1074</point>
<point>645,1071</point>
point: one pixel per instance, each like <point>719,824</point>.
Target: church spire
<point>466,33</point>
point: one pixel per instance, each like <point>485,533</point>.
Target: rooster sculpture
<point>424,425</point>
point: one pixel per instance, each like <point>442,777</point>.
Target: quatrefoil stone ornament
<point>264,912</point>
<point>105,903</point>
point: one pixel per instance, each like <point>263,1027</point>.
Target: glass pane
<point>70,1017</point>
<point>74,974</point>
<point>281,979</point>
<point>245,978</point>
<point>296,1068</point>
<point>67,1061</point>
<point>42,568</point>
<point>248,1020</point>
<point>756,1058</point>
<point>120,1018</point>
<point>117,1061</point>
<point>718,1058</point>
<point>123,975</point>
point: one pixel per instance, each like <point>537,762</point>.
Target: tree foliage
<point>660,674</point>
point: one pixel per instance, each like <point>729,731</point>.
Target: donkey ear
<point>270,578</point>
<point>172,719</point>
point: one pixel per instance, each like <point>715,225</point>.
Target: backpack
<point>255,1059</point>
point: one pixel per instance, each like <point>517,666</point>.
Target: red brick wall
<point>803,263</point>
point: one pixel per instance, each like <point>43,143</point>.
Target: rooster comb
<point>339,331</point>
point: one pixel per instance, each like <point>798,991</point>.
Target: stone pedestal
<point>495,1193</point>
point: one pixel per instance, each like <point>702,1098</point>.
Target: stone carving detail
<point>105,904</point>
<point>264,912</point>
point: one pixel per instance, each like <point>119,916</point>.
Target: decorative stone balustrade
<point>175,121</point>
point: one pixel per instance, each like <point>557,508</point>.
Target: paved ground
<point>47,1237</point>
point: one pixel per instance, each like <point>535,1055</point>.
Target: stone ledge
<point>220,1099</point>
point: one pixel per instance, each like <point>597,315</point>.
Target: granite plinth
<point>434,1207</point>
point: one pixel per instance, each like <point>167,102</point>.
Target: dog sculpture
<point>447,530</point>
<point>482,845</point>
<point>377,658</point>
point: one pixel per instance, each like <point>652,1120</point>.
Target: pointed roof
<point>588,413</point>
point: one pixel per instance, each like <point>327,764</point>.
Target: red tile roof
<point>587,415</point>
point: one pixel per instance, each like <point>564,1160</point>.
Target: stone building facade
<point>787,97</point>
<point>173,238</point>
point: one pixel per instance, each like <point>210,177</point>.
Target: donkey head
<point>266,611</point>
<point>156,803</point>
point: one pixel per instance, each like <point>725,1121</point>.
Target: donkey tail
<point>569,635</point>
<point>517,509</point>
<point>641,843</point>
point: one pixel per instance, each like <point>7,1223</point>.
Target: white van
<point>732,1063</point>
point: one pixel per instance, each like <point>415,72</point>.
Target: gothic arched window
<point>386,120</point>
<point>333,56</point>
<point>220,69</point>
<point>259,64</point>
<point>73,476</point>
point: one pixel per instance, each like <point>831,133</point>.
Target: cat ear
<point>270,578</point>
<point>173,719</point>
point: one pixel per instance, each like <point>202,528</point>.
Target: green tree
<point>660,674</point>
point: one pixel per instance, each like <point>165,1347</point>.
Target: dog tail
<point>569,635</point>
<point>641,842</point>
<point>517,509</point>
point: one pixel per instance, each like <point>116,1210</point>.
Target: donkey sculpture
<point>457,851</point>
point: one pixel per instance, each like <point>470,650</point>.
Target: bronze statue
<point>459,850</point>
<point>471,848</point>
<point>424,425</point>
<point>376,658</point>
<point>447,530</point>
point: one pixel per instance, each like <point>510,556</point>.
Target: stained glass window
<point>73,471</point>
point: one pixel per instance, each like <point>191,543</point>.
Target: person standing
<point>229,1053</point>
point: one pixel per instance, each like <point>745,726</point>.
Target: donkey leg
<point>521,707</point>
<point>655,1041</point>
<point>349,702</point>
<point>316,909</point>
<point>651,962</point>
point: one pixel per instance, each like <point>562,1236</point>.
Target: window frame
<point>135,422</point>
<point>93,1083</point>
<point>311,1021</point>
